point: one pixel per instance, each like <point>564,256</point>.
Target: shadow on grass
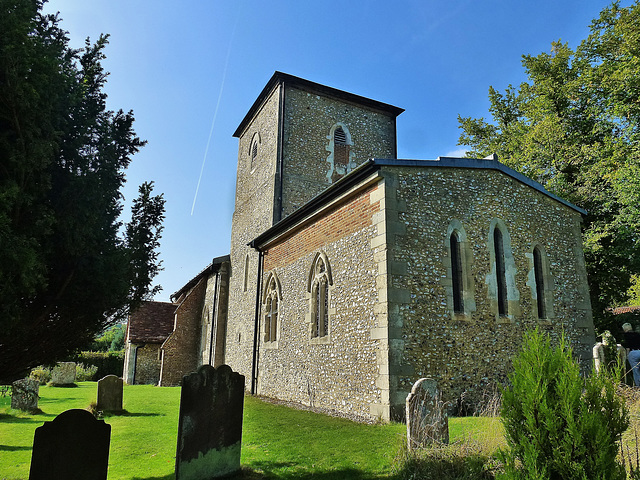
<point>6,418</point>
<point>125,413</point>
<point>273,470</point>
<point>166,477</point>
<point>14,448</point>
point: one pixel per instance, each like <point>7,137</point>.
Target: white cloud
<point>459,152</point>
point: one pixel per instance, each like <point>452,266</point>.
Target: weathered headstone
<point>64,373</point>
<point>210,424</point>
<point>427,420</point>
<point>599,356</point>
<point>110,393</point>
<point>74,446</point>
<point>24,394</point>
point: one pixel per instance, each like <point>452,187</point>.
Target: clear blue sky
<point>176,64</point>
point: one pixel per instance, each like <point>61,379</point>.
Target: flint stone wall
<point>470,352</point>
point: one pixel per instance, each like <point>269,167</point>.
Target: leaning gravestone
<point>110,393</point>
<point>427,420</point>
<point>24,394</point>
<point>210,424</point>
<point>74,446</point>
<point>64,373</point>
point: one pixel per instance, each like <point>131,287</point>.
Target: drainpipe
<point>214,316</point>
<point>256,328</point>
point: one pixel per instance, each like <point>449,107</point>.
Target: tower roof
<point>280,78</point>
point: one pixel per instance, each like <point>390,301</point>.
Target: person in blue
<point>631,342</point>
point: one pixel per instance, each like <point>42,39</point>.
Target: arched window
<point>538,274</point>
<point>318,286</point>
<point>271,302</point>
<point>339,148</point>
<point>501,277</point>
<point>456,273</point>
<point>245,283</point>
<point>459,283</point>
<point>253,151</point>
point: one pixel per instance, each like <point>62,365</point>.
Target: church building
<point>352,274</point>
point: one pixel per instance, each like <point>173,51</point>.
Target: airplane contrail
<point>215,113</point>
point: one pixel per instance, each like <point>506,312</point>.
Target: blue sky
<point>180,65</point>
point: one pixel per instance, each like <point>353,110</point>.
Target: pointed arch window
<point>501,277</point>
<point>538,274</point>
<point>253,151</point>
<point>456,273</point>
<point>245,282</point>
<point>339,148</point>
<point>271,304</point>
<point>319,288</point>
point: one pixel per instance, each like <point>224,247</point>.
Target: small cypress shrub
<point>558,424</point>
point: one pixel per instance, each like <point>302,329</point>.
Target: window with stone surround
<point>270,306</point>
<point>501,277</point>
<point>339,148</point>
<point>318,289</point>
<point>459,283</point>
<point>456,273</point>
<point>503,293</point>
<point>541,281</point>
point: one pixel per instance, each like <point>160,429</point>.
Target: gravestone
<point>427,420</point>
<point>64,373</point>
<point>210,424</point>
<point>24,394</point>
<point>110,393</point>
<point>74,446</point>
<point>599,356</point>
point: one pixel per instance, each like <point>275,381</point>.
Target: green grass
<point>278,442</point>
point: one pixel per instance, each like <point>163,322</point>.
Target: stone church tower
<point>297,139</point>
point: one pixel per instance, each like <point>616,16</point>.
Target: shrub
<point>41,374</point>
<point>557,423</point>
<point>85,373</point>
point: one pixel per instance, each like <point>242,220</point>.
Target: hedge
<point>108,363</point>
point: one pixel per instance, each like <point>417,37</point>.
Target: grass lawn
<point>278,442</point>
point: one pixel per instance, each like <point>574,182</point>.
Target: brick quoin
<point>333,225</point>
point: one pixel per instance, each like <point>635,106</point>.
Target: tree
<point>574,127</point>
<point>557,423</point>
<point>67,271</point>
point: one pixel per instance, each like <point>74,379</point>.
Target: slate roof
<point>312,87</point>
<point>152,322</point>
<point>365,170</point>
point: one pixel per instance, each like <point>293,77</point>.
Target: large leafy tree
<point>574,127</point>
<point>68,267</point>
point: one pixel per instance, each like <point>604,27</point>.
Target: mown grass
<point>278,442</point>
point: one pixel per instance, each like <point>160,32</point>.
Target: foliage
<point>111,340</point>
<point>633,293</point>
<point>85,373</point>
<point>68,267</point>
<point>559,424</point>
<point>574,127</point>
<point>106,363</point>
<point>42,374</point>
